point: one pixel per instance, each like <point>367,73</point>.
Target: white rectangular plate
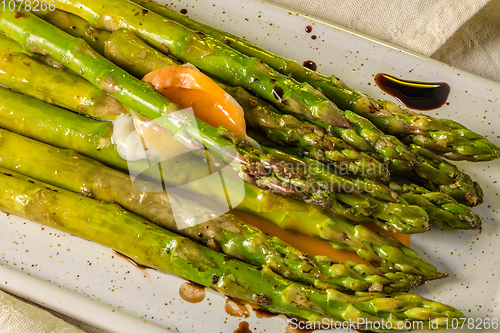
<point>95,285</point>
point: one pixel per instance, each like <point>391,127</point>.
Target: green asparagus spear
<point>443,210</point>
<point>226,233</point>
<point>109,225</point>
<point>264,170</point>
<point>19,70</point>
<point>77,27</point>
<point>58,127</point>
<point>439,175</point>
<point>442,136</point>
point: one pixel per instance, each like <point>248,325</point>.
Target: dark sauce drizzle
<point>243,327</point>
<point>310,64</point>
<point>414,94</point>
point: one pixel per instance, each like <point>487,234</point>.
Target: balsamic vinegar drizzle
<point>310,64</point>
<point>414,94</point>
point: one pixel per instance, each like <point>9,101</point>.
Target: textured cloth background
<point>461,33</point>
<point>17,316</point>
<point>418,25</point>
<point>475,47</point>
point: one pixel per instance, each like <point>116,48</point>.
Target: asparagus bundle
<point>111,226</point>
<point>370,307</point>
<point>227,65</point>
<point>443,136</point>
<point>128,51</point>
<point>58,127</point>
<point>409,222</point>
<point>264,170</point>
<point>226,233</point>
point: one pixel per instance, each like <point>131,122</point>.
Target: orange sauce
<point>308,244</point>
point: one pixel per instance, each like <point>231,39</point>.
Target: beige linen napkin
<point>475,47</point>
<point>18,316</point>
<point>418,25</point>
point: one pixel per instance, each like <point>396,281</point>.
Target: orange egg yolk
<point>188,87</point>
